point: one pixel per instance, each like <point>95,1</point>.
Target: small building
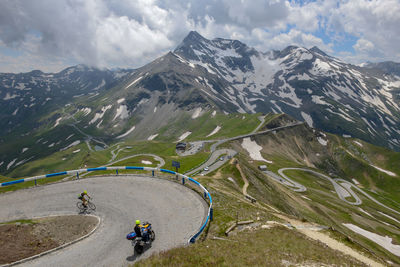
<point>262,167</point>
<point>181,146</point>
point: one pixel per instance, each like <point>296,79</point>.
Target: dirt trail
<point>246,182</point>
<point>327,240</point>
<point>310,230</point>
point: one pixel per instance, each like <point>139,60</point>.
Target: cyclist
<point>84,197</point>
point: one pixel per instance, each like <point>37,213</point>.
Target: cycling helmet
<point>85,192</point>
<point>137,221</point>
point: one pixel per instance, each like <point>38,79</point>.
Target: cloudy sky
<point>50,35</point>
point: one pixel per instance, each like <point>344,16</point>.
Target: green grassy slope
<point>293,147</point>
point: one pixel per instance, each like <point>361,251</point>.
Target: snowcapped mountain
<point>307,84</point>
<point>25,97</point>
<point>99,107</point>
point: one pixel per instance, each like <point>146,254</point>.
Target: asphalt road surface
<point>176,213</point>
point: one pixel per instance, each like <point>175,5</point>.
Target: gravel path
<point>175,212</point>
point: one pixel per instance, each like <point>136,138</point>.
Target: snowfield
<point>57,122</point>
<point>75,143</point>
<point>388,216</point>
<point>183,136</point>
<point>214,131</point>
<point>122,112</point>
<point>11,163</point>
<point>100,115</point>
<point>196,113</point>
<point>384,241</point>
<point>307,119</point>
<point>135,81</point>
<point>322,141</point>
<point>128,132</point>
<point>365,212</point>
<point>383,170</point>
<point>151,137</point>
<point>358,143</point>
<point>253,149</point>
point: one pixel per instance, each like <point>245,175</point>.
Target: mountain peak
<point>192,38</point>
<point>193,35</point>
<point>315,49</point>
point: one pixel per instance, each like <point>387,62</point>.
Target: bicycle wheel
<point>91,206</point>
<point>80,206</point>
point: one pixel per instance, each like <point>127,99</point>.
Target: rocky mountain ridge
<point>200,75</point>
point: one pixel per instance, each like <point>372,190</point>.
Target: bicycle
<point>89,207</point>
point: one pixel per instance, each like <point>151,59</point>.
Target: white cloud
<point>363,46</point>
<point>50,35</point>
<point>299,38</point>
<point>375,23</point>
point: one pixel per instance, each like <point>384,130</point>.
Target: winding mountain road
<point>342,187</point>
<point>212,162</point>
<point>175,212</point>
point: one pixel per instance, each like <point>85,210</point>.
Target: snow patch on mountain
<point>307,119</point>
<point>103,82</point>
<point>122,112</point>
<point>9,165</point>
<point>288,92</point>
<point>15,112</point>
<point>322,141</point>
<point>21,86</point>
<point>365,212</point>
<point>184,61</point>
<point>128,132</point>
<point>8,96</point>
<point>57,122</point>
<point>75,143</point>
<point>357,143</point>
<point>183,136</point>
<point>98,125</point>
<point>86,111</point>
<point>320,67</point>
<point>23,161</point>
<point>151,137</point>
<point>383,241</point>
<point>119,101</point>
<point>196,113</point>
<point>100,115</point>
<point>24,149</point>
<point>135,81</point>
<point>383,170</point>
<point>253,149</point>
<point>388,216</point>
<point>216,130</point>
<point>317,99</point>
